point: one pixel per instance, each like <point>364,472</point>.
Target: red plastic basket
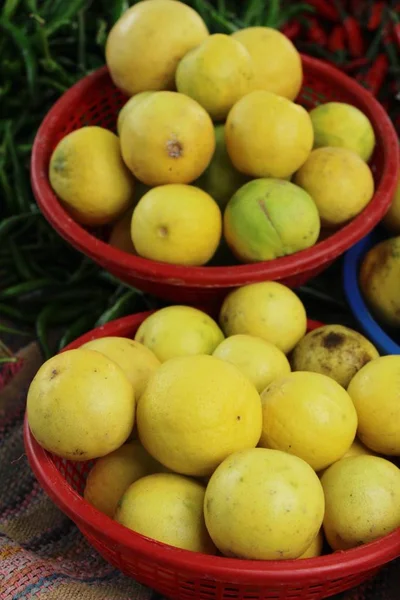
<point>184,575</point>
<point>95,101</point>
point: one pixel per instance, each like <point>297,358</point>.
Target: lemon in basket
<point>340,183</point>
<point>216,74</point>
<point>80,405</point>
<point>128,106</point>
<point>169,508</point>
<point>167,138</point>
<point>146,44</point>
<point>177,224</point>
<point>195,411</point>
<point>362,496</point>
<point>375,391</point>
<point>277,63</point>
<point>309,415</point>
<point>263,504</point>
<point>392,217</point>
<point>268,135</point>
<point>89,176</point>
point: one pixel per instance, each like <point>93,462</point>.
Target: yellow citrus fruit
<point>196,411</point>
<point>333,350</point>
<point>128,106</point>
<point>268,218</point>
<point>375,391</point>
<point>179,331</point>
<point>268,310</point>
<point>277,63</point>
<point>341,125</point>
<point>80,405</point>
<point>392,218</point>
<point>358,449</point>
<point>316,546</point>
<point>379,280</point>
<point>268,135</point>
<point>177,224</point>
<point>309,415</point>
<point>146,44</point>
<point>263,504</point>
<point>120,236</point>
<point>259,360</point>
<point>167,138</point>
<point>340,183</point>
<point>168,508</point>
<point>89,176</point>
<point>111,475</point>
<point>217,73</point>
<point>362,497</point>
<point>137,361</point>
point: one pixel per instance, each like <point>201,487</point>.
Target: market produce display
<point>261,443</point>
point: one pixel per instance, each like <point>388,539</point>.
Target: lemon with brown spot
<point>80,405</point>
<point>89,176</point>
<point>177,224</point>
<point>268,135</point>
<point>137,361</point>
<point>362,497</point>
<point>196,411</point>
<point>147,42</point>
<point>309,415</point>
<point>217,73</point>
<point>277,63</point>
<point>340,183</point>
<point>263,504</point>
<point>167,138</point>
<point>111,475</point>
<point>268,310</point>
<point>259,360</point>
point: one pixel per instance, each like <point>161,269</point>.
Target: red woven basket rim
<point>336,565</point>
<point>224,276</point>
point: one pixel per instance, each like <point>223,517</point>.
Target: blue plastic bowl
<point>352,261</point>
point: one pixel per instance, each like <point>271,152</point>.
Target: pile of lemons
<point>213,156</point>
<point>246,435</point>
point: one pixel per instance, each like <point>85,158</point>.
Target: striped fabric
<point>42,554</point>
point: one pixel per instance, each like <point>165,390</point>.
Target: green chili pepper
<point>23,43</point>
<point>122,307</point>
<point>78,328</point>
<point>24,288</point>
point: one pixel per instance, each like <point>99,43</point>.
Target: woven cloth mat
<point>42,553</point>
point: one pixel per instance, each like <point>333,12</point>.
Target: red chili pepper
<point>291,29</point>
<point>315,33</point>
<point>376,15</point>
<point>375,76</point>
<point>353,31</point>
<point>325,9</point>
<point>355,64</point>
<point>336,43</point>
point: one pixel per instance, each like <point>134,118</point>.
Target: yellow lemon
<point>179,331</point>
<point>379,280</point>
<point>264,505</point>
<point>217,73</point>
<point>167,138</point>
<point>88,174</point>
<point>80,405</point>
<point>375,391</point>
<point>333,350</point>
<point>309,415</point>
<point>358,449</point>
<point>111,476</point>
<point>316,546</point>
<point>277,63</point>
<point>196,411</point>
<point>340,183</point>
<point>268,135</point>
<point>146,44</point>
<point>362,497</point>
<point>392,218</point>
<point>177,224</point>
<point>120,236</point>
<point>168,508</point>
<point>341,125</point>
<point>259,360</point>
<point>268,310</point>
<point>128,106</point>
<point>137,361</point>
